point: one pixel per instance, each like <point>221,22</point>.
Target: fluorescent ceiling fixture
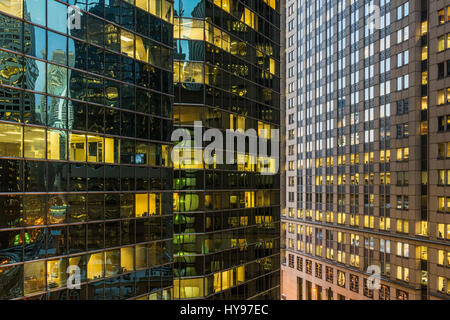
<point>124,38</point>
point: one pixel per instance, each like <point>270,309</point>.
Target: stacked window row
<point>82,272</point>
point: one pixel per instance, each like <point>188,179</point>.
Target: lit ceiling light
<point>126,39</point>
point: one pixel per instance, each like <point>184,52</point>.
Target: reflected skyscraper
<point>226,74</point>
<point>89,194</point>
<point>85,123</point>
<point>11,37</point>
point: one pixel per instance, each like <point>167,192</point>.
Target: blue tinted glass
<point>176,8</point>
<point>56,80</point>
<point>95,7</point>
<point>38,44</point>
<point>79,3</point>
<point>35,75</point>
<point>57,112</point>
<point>57,48</point>
<point>77,54</point>
<point>191,8</point>
<point>95,31</point>
<point>34,11</point>
<point>38,108</point>
<point>112,10</point>
<point>71,52</point>
<point>58,16</point>
<point>127,15</point>
<point>77,85</point>
<point>190,50</point>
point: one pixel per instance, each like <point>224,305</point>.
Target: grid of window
<point>227,76</point>
<point>85,125</point>
<point>299,263</point>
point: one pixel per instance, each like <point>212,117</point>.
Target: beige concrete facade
<point>367,166</point>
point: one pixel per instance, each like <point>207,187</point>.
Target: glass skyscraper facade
<point>226,74</point>
<point>86,97</point>
<point>89,198</point>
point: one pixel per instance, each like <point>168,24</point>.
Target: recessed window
<point>440,70</point>
<point>441,16</point>
<point>441,43</point>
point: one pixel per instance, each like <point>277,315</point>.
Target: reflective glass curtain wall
<point>86,99</point>
<point>226,74</point>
